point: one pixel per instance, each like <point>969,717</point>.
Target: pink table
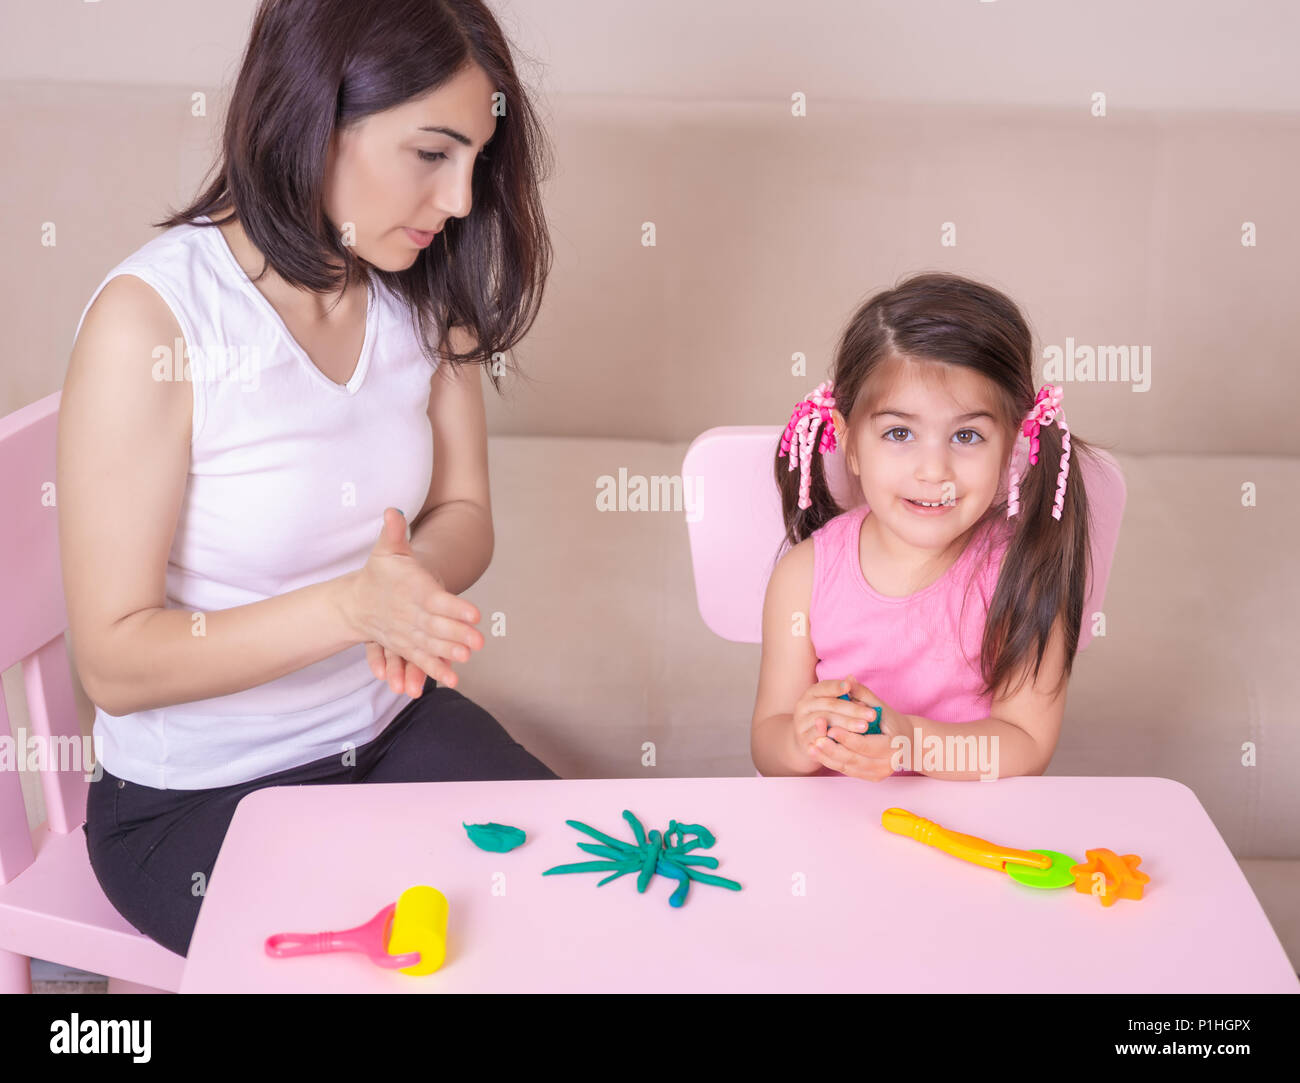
<point>831,901</point>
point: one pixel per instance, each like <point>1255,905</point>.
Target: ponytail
<point>806,500</point>
<point>1046,569</point>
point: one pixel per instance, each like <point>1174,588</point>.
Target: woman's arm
<point>122,463</point>
<point>451,534</point>
<point>787,668</point>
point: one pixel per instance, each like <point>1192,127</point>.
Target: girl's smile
<point>936,508</point>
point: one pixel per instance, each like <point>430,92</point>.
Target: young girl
<point>948,603</point>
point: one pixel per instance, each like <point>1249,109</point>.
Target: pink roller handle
<point>370,939</point>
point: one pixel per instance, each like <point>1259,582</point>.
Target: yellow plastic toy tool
<point>420,924</point>
<point>966,847</point>
<point>1034,868</point>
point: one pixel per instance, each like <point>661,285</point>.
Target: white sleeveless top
<point>289,476</point>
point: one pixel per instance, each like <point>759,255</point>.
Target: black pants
<point>146,845</point>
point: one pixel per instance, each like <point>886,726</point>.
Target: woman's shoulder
<point>179,241</point>
<point>161,261</point>
<point>146,284</point>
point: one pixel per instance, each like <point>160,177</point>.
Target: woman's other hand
<point>410,623</point>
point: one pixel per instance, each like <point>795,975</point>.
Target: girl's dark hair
<point>314,66</point>
<point>937,320</point>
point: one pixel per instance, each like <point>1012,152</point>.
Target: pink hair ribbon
<point>800,434</point>
<point>1046,409</point>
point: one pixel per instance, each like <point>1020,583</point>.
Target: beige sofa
<point>769,232</point>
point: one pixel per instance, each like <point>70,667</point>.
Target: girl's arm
<point>122,461</point>
<point>1022,728</point>
<point>787,669</point>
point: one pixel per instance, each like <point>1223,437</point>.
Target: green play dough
<point>1057,874</point>
<point>495,837</point>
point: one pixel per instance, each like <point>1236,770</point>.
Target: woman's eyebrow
<point>912,417</point>
<point>458,136</point>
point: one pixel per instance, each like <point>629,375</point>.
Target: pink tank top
<point>919,653</point>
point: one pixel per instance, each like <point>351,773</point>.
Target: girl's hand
<point>400,674</point>
<point>854,753</point>
<point>820,709</point>
<point>892,723</point>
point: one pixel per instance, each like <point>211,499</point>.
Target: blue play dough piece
<point>664,868</point>
<point>874,725</point>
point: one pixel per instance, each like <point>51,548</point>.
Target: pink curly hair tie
<point>801,433</point>
<point>1046,409</point>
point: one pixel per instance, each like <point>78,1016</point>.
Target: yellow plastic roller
<point>420,924</point>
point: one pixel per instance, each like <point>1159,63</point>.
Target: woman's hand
<point>407,619</point>
<point>402,676</point>
<point>851,751</point>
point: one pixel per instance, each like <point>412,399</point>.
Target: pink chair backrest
<point>32,622</point>
<point>736,531</point>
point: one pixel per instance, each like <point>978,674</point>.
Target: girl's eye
<point>889,435</point>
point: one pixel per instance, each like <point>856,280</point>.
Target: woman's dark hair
<point>937,320</point>
<point>314,66</point>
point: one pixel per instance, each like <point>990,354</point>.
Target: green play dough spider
<point>667,853</point>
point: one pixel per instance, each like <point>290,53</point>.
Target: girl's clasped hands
<point>832,731</point>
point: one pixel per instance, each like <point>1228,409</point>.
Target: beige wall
<point>1115,230</point>
<point>1194,54</point>
<point>1122,230</point>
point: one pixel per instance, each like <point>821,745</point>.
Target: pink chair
<point>737,533</point>
<point>51,905</point>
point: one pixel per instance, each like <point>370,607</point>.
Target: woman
<point>252,393</point>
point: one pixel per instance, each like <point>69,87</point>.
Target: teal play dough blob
<point>874,725</point>
<point>497,838</point>
<point>1057,874</point>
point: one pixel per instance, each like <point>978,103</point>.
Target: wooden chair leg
<point>15,973</point>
